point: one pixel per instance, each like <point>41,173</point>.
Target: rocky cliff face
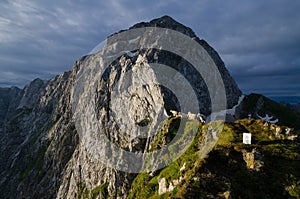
<point>232,91</point>
<point>41,155</point>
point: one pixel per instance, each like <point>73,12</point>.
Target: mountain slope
<point>259,105</point>
<point>266,169</point>
<point>41,153</point>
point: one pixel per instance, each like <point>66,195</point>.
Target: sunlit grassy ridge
<point>223,171</point>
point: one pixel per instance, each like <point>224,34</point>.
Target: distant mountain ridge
<point>286,99</point>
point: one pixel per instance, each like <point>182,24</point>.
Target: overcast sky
<point>259,41</point>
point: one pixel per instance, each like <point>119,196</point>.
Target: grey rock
<point>31,93</point>
<point>254,159</point>
<point>41,154</point>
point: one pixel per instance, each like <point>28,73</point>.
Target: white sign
<point>247,138</point>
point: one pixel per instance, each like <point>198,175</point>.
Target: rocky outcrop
<point>253,159</point>
<point>41,154</point>
<point>31,93</point>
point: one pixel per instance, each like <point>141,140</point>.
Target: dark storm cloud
<point>259,41</point>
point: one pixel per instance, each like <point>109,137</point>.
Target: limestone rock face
<point>31,92</point>
<point>37,140</point>
<point>41,154</point>
<point>232,91</point>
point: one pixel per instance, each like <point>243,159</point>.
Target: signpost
<point>246,138</point>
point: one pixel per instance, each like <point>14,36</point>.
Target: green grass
<point>145,186</point>
<point>99,190</point>
<point>84,193</point>
<point>167,133</point>
<point>224,169</point>
<point>36,164</point>
<point>139,186</point>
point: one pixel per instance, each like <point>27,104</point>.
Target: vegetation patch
<point>36,164</point>
<point>223,172</point>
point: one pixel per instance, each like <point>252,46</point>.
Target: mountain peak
<point>45,124</point>
<point>166,22</point>
<point>165,19</point>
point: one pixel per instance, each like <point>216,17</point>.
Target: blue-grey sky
<point>259,41</point>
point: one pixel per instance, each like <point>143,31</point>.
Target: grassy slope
<point>224,169</point>
<point>259,104</point>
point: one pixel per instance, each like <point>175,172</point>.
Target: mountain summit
<point>166,22</point>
